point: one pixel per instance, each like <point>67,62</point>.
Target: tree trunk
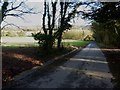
<point>59,41</point>
<point>0,26</point>
<point>0,31</point>
<point>44,15</point>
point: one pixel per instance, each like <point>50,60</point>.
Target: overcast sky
<point>36,19</point>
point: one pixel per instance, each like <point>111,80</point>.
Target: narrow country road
<point>87,69</point>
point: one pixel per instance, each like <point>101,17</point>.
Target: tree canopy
<point>106,22</point>
<point>51,18</point>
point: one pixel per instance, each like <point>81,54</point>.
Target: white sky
<point>36,19</point>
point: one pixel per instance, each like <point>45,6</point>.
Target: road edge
<point>18,78</point>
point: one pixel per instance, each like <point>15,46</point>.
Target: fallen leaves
<point>15,61</point>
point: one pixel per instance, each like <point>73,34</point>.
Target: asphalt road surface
<point>87,69</point>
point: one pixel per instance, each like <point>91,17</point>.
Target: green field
<point>78,43</point>
<point>17,45</point>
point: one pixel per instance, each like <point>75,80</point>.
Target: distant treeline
<point>75,33</point>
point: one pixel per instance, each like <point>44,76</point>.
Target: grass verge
<point>18,45</point>
<point>78,43</point>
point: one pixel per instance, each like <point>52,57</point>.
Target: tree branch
<point>13,8</point>
<point>10,24</point>
<point>16,15</point>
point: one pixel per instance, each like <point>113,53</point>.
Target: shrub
<point>44,40</point>
<point>21,33</point>
<point>10,34</point>
<point>71,35</point>
<point>76,34</point>
<point>13,33</point>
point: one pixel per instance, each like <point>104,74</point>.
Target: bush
<point>45,41</point>
<point>10,34</point>
<point>13,33</point>
<point>76,34</point>
<point>21,33</point>
<point>73,34</point>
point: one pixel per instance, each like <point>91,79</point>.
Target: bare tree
<point>48,29</point>
<point>15,9</point>
<point>66,12</point>
<point>65,18</point>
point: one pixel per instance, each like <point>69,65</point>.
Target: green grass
<point>17,45</point>
<point>76,43</point>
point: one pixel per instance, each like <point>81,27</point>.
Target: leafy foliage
<point>106,22</point>
<point>67,11</point>
<point>44,40</point>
